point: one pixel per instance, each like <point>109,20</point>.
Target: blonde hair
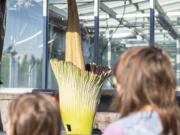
<point>145,77</point>
<point>34,114</point>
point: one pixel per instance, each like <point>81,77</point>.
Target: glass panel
<point>22,54</point>
<point>127,27</point>
<point>57,22</point>
<point>121,26</point>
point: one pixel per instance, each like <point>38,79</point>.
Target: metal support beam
<point>45,47</point>
<point>59,11</point>
<point>152,5</point>
<point>96,30</point>
<point>83,1</point>
<point>165,21</point>
<point>131,15</point>
<point>113,15</point>
<point>109,11</point>
<point>178,61</point>
<point>109,48</point>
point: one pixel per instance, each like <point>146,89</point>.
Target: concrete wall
<point>102,118</point>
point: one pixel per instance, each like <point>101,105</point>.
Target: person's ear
<point>119,90</point>
<point>118,87</point>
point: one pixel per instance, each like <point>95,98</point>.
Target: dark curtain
<point>2,27</point>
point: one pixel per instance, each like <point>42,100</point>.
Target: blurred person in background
<point>145,94</point>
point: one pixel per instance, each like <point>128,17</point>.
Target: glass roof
<point>134,16</point>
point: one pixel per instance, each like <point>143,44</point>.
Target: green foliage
<point>5,69</point>
<point>23,72</point>
<point>39,73</point>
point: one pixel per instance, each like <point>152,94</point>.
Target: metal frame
<point>113,14</point>
<point>163,17</point>
<point>165,21</point>
<point>178,61</point>
<point>45,45</point>
<point>96,30</point>
<point>152,5</point>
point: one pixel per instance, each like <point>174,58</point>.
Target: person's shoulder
<point>114,128</point>
<point>139,118</point>
<point>135,123</point>
<point>141,123</point>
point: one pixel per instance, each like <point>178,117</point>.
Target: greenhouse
<point>34,31</point>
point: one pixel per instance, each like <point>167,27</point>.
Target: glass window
<point>122,24</point>
<point>57,24</point>
<point>22,54</point>
<point>121,27</point>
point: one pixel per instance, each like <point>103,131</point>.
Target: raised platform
<point>102,118</point>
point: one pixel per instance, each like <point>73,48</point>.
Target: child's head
<point>144,77</point>
<point>33,114</point>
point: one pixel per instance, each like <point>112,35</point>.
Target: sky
<point>24,27</point>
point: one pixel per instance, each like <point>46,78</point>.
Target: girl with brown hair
<point>145,97</point>
<point>33,114</point>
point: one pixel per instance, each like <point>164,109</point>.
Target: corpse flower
<point>79,84</point>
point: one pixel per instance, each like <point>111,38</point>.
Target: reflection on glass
<point>22,54</point>
<point>120,28</point>
<point>57,22</point>
<point>120,33</point>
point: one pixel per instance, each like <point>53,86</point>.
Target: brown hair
<point>145,77</point>
<point>34,114</point>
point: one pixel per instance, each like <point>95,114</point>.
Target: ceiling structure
<point>128,20</point>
